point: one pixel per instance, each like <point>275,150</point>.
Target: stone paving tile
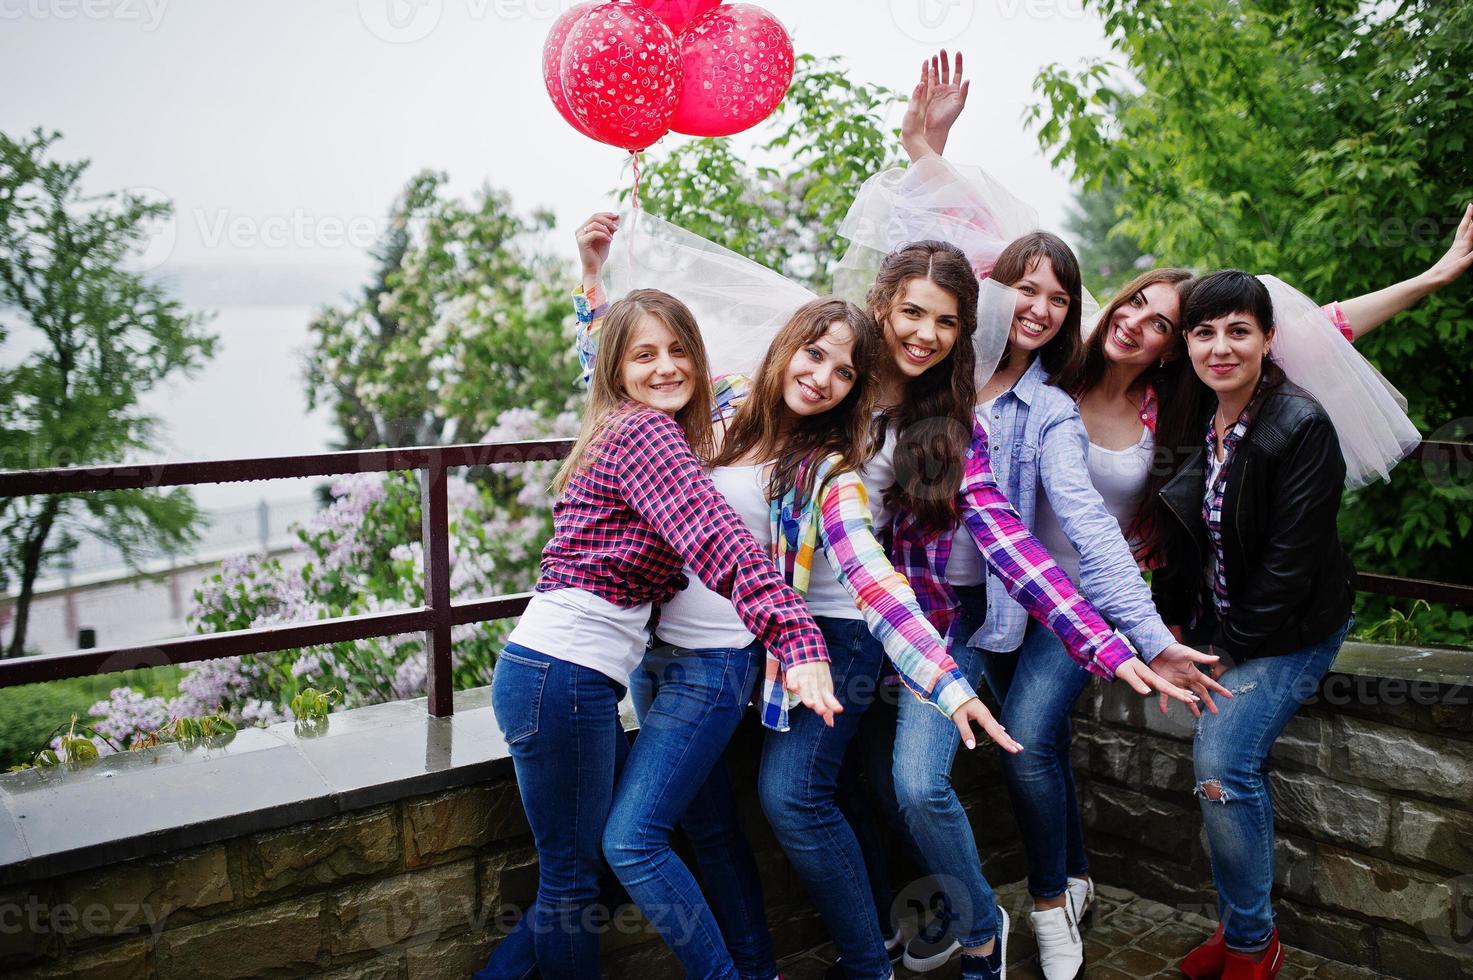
<point>1133,939</point>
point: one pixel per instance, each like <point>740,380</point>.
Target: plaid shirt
<point>836,519</point>
<point>641,509</point>
<point>1015,556</point>
<point>1212,499</point>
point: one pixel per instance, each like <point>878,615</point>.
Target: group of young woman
<point>881,501</point>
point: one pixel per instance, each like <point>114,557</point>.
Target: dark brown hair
<point>1016,261</point>
<point>764,426</point>
<point>933,421</point>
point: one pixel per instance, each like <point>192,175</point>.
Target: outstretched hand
<point>1180,665</point>
<point>594,237</point>
<point>975,711</point>
<point>814,684</point>
<point>1144,681</point>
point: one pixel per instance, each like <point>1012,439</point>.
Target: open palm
<point>948,97</point>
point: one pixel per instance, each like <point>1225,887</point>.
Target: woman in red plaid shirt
<point>635,508</point>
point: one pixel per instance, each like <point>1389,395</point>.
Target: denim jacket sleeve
<point>1108,574</point>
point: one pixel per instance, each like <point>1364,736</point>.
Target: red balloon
<point>738,64</point>
<point>552,63</point>
<point>621,74</point>
<point>678,14</point>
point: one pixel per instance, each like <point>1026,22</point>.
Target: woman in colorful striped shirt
<point>635,507</point>
<point>792,441</point>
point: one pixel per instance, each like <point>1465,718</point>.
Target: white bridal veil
<point>1369,414</point>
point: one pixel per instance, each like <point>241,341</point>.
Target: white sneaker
<point>1060,946</point>
<point>1082,894</point>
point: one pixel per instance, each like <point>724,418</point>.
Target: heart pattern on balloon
<point>738,63</point>
<point>620,72</point>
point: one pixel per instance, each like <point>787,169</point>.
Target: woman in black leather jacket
<point>1253,563</point>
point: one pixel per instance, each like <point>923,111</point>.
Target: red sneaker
<point>1240,966</point>
<point>1207,960</point>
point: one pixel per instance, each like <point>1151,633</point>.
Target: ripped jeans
<point>1230,756</point>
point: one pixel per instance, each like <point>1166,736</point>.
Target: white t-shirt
<point>1120,476</point>
<point>965,566</point>
<point>697,618</point>
<point>578,627</point>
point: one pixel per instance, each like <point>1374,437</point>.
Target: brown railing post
<point>435,508</point>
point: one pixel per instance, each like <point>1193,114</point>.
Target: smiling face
<point>1144,326</point>
<point>657,370</point>
<point>1227,353</point>
<point>820,374</point>
<point>1043,303</point>
<point>922,327</point>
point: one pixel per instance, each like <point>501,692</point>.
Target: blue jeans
<point>1037,686</point>
<point>1230,756</point>
<point>798,786</point>
<point>561,723</point>
<point>925,748</point>
<point>690,703</point>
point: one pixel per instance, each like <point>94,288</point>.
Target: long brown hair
<point>934,418</point>
<point>1016,261</point>
<point>764,427</point>
<point>607,399</point>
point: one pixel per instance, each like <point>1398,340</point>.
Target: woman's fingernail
<point>971,744</point>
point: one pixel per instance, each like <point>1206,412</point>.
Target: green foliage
<point>829,135</point>
<point>310,704</point>
<point>461,323</point>
<point>1108,257</point>
<point>1326,143</point>
<point>100,336</point>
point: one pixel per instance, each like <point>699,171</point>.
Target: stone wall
<point>1372,784</point>
<point>1375,863</point>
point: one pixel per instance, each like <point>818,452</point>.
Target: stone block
<point>1305,742</point>
<point>379,968</point>
<point>1437,835</point>
<point>1395,758</point>
<point>1414,957</point>
<point>447,959</point>
<point>1325,933</point>
<point>1377,889</point>
<point>138,897</point>
<point>389,914</point>
<point>1166,765</point>
<point>1113,755</point>
<point>508,882</point>
<point>126,960</point>
<point>1293,864</point>
<point>1170,829</point>
<point>26,934</point>
<point>325,852</point>
<point>285,937</point>
<point>1329,810</point>
<point>450,825</point>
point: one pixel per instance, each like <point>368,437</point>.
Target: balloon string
<point>634,157</point>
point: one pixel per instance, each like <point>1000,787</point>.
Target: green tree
<point>98,337</point>
<point>1108,256</point>
<point>824,141</point>
<point>1327,143</point>
<point>461,322</point>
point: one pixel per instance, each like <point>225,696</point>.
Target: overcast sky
<point>281,129</point>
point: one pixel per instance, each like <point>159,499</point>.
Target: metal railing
<point>438,615</point>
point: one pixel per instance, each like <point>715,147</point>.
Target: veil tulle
<point>741,305</point>
<point>1369,414</point>
<point>964,206</point>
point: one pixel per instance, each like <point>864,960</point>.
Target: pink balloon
<point>552,63</point>
<point>621,75</point>
<point>678,14</point>
<point>738,64</point>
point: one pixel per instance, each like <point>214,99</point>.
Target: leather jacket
<point>1288,579</point>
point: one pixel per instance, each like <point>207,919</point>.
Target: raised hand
<point>594,237</point>
<point>1459,256</point>
<point>975,711</point>
<point>913,125</point>
<point>948,99</point>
